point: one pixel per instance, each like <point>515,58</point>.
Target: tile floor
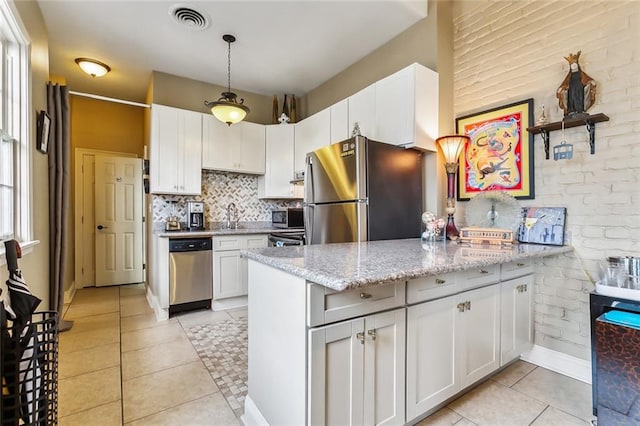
<point>118,365</point>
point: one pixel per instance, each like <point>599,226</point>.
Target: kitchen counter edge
<point>335,266</point>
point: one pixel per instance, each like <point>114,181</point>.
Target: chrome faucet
<point>235,216</point>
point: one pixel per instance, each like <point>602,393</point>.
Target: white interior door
<point>118,220</point>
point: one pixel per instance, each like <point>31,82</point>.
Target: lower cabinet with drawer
<point>388,353</point>
<point>229,268</point>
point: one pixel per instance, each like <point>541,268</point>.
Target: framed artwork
<point>42,132</point>
<point>543,225</point>
<point>499,156</point>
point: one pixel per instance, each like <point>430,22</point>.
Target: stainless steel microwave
<point>287,218</point>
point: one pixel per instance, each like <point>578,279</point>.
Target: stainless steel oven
<point>283,239</point>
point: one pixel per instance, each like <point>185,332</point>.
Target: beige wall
<point>426,42</point>
<point>185,93</point>
<point>108,126</point>
<point>35,265</point>
<point>506,52</point>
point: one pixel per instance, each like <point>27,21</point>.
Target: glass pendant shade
<point>92,67</point>
<point>227,109</point>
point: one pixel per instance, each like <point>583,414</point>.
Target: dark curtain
<point>59,192</point>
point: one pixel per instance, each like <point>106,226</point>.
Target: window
<point>15,122</point>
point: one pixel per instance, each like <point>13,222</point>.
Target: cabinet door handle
<point>372,333</point>
<point>526,287</point>
<point>440,281</point>
<point>364,295</point>
<point>360,336</point>
<point>484,271</point>
<point>467,305</point>
<point>520,264</point>
<point>461,306</point>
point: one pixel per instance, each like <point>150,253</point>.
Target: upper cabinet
<point>175,156</point>
<point>276,182</point>
<point>238,148</point>
<point>401,109</point>
<point>310,134</point>
<point>362,110</point>
<point>340,121</point>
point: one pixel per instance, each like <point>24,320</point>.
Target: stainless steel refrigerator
<point>359,190</point>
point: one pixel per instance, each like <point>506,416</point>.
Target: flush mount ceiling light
<point>227,108</point>
<point>92,67</point>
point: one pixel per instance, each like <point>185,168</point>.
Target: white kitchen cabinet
<point>276,182</point>
<point>175,157</point>
<point>340,121</point>
<point>357,371</point>
<point>238,148</point>
<point>229,268</point>
<point>310,134</point>
<point>516,325</point>
<point>478,333</point>
<point>401,109</point>
<point>452,342</point>
<point>362,110</point>
<point>431,350</point>
<point>406,108</point>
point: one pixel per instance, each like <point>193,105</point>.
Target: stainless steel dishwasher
<point>190,273</point>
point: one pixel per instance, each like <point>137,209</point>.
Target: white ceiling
<point>281,47</point>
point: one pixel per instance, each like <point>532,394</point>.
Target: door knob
<point>100,227</point>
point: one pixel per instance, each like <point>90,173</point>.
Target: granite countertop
<point>352,265</point>
<point>219,228</point>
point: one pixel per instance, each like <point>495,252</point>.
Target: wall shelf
<point>588,120</point>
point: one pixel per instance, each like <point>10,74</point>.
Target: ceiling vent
<point>189,17</point>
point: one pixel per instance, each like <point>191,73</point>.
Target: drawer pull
<point>360,336</point>
<point>372,333</point>
<point>484,271</point>
<point>440,281</point>
<point>365,295</point>
<point>520,264</point>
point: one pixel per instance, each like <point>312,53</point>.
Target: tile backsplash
<point>218,190</point>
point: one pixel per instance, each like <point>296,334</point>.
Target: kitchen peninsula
<point>381,331</point>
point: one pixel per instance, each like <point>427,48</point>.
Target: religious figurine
<point>577,93</point>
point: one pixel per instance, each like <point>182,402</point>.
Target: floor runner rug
<point>222,347</point>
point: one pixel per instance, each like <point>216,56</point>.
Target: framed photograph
<point>499,156</point>
<point>42,132</point>
<point>543,225</point>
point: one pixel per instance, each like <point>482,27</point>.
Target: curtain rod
<point>104,98</point>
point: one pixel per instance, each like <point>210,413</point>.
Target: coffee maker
<point>195,215</point>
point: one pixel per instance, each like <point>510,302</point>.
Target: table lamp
<point>451,147</point>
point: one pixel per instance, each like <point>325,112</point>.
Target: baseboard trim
<point>161,313</point>
<point>229,303</point>
<point>559,362</point>
<point>252,416</point>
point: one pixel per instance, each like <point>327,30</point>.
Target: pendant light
<point>227,109</point>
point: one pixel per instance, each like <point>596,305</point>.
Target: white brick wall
<point>506,51</point>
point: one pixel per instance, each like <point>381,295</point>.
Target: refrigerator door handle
<point>308,223</point>
<point>308,182</point>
